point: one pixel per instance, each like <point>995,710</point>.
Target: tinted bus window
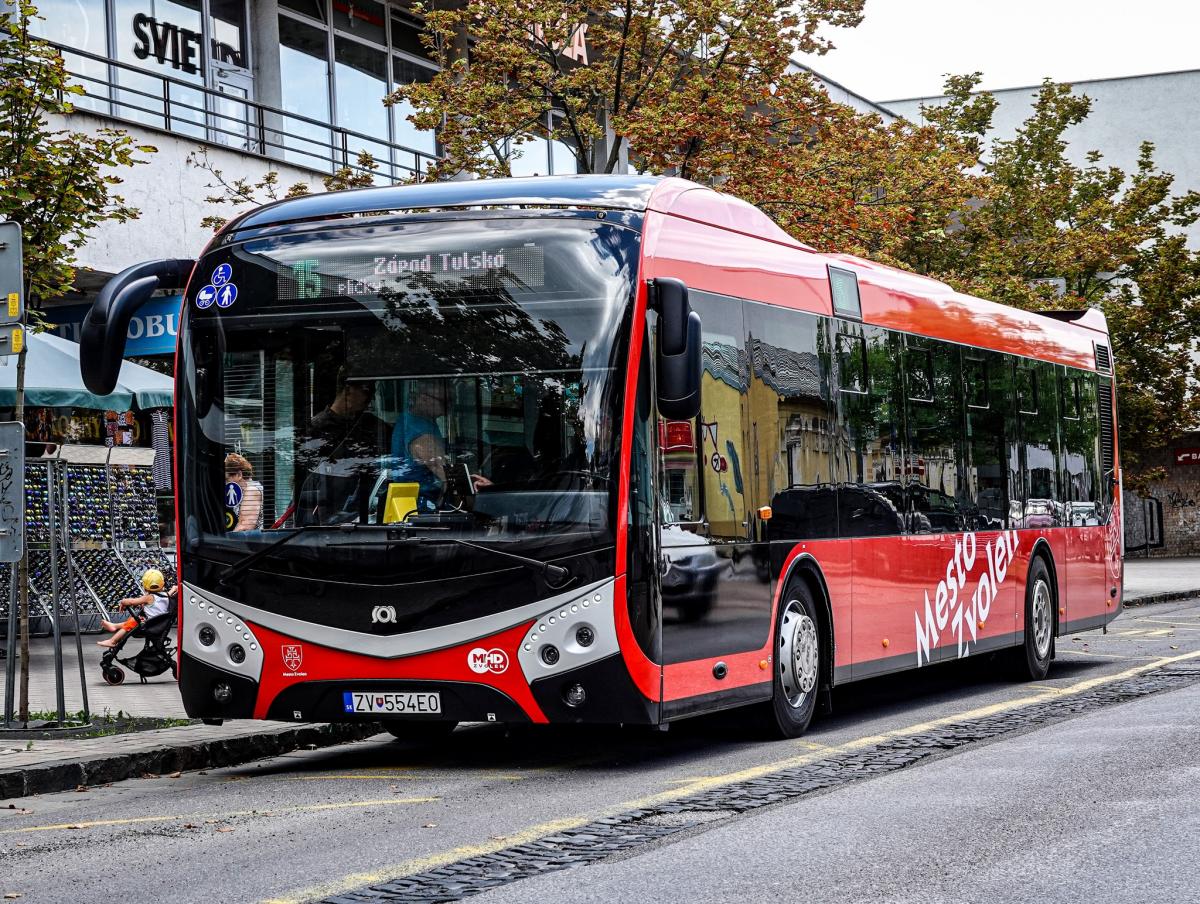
<point>722,453</point>
<point>1038,408</point>
<point>1081,452</point>
<point>989,460</point>
<point>868,445</point>
<point>933,417</point>
<point>792,414</point>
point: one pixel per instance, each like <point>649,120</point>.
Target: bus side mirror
<point>102,337</point>
<point>678,362</point>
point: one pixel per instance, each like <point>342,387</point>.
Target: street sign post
<point>12,279</point>
<point>12,490</point>
<point>12,541</point>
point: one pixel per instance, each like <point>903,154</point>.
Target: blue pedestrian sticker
<point>206,296</point>
<point>222,275</point>
<point>233,494</point>
<point>226,295</point>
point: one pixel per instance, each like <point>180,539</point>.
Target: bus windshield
<point>444,379</point>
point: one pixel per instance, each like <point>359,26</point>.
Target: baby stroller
<point>156,655</point>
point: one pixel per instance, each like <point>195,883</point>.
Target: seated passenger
<point>342,452</point>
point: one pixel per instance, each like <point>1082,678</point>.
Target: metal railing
<point>120,91</point>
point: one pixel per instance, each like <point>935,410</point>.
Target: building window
<point>540,155</point>
<point>374,50</point>
<point>80,24</point>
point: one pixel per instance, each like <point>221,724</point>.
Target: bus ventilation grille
<point>1106,427</point>
<point>1103,359</point>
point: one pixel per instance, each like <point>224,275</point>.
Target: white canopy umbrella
<point>52,380</point>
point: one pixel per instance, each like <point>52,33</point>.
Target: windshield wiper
<point>258,555</point>
<point>556,576</point>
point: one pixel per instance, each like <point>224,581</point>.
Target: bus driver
<point>418,447</point>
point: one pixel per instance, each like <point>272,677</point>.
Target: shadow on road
<point>499,748</point>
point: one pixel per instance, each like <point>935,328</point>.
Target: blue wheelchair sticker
<point>226,295</point>
<point>206,296</point>
<point>222,275</point>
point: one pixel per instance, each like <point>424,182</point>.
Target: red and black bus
<point>608,449</point>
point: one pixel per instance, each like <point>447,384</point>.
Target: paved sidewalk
<point>158,697</point>
<point>1159,580</point>
<point>39,767</point>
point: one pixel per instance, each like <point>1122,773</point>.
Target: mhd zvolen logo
<point>482,661</point>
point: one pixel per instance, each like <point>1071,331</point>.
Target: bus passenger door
<point>715,594</point>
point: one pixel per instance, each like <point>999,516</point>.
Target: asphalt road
<point>1104,797</point>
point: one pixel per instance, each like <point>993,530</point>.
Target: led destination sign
<point>384,274</point>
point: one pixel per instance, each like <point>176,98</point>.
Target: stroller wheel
<point>114,675</point>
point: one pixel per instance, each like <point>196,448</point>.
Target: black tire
<point>1031,661</point>
<point>419,732</point>
<point>798,662</point>
<point>114,675</point>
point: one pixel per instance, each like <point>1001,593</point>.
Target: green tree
<point>241,191</point>
<point>1045,232</point>
<point>59,184</point>
<point>654,81</point>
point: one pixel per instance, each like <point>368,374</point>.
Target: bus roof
<point>891,297</point>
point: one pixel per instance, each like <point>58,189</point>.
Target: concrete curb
<point>64,774</point>
<point>1151,598</point>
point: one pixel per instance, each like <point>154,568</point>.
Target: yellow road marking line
<point>266,811</point>
<point>1047,687</point>
<point>321,778</point>
<point>533,833</point>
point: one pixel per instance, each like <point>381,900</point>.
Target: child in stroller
<point>154,614</point>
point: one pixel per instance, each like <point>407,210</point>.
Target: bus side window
<point>1037,407</point>
<point>791,410</point>
<point>1080,451</point>
<point>869,444</point>
<point>988,453</point>
<point>721,447</point>
<point>933,418</point>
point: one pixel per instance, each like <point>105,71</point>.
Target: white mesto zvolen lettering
<point>952,606</point>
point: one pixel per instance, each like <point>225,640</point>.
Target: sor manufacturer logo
<point>483,661</point>
<point>383,615</point>
<point>293,656</point>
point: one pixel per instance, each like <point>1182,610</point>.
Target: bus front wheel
<point>419,732</point>
<point>797,664</point>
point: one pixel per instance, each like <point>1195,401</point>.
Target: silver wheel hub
<point>1043,619</point>
<point>799,654</point>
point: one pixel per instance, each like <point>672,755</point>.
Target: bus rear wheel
<point>419,732</point>
<point>798,664</point>
<point>1031,661</point>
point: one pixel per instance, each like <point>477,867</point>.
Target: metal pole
<point>87,716</point>
<point>55,604</point>
<point>10,647</point>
